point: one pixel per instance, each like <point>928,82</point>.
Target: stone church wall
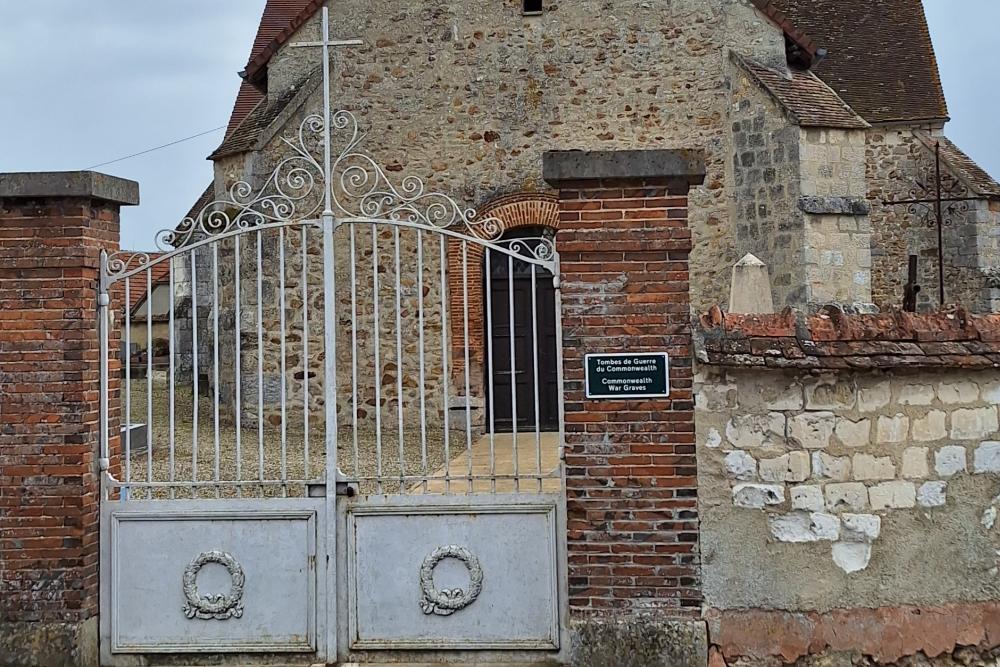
<point>897,161</point>
<point>468,96</point>
<point>765,166</point>
<point>837,226</point>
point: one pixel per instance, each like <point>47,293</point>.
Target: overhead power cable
<point>150,150</point>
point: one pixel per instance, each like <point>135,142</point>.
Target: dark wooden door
<point>506,276</point>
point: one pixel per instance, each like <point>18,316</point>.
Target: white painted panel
<point>513,538</point>
<point>274,547</point>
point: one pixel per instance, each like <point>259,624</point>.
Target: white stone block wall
<point>833,458</point>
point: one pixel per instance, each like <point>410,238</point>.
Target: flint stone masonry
<point>868,467</point>
<point>853,433</point>
<point>836,468</point>
<point>950,460</point>
<point>930,427</point>
<point>958,392</point>
<point>987,457</point>
<point>808,498</point>
<point>850,495</point>
<point>852,557</point>
<point>756,431</point>
<point>805,527</point>
<point>974,423</point>
<point>860,527</point>
<point>812,430</point>
<point>914,463</point>
<point>892,495</point>
<point>741,465</point>
<point>758,495</point>
<point>932,494</point>
<point>791,467</point>
<point>880,403</point>
<point>916,394</point>
<point>892,429</point>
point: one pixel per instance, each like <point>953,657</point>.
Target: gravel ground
<point>264,459</point>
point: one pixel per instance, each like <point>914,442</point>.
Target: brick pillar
<point>630,465</point>
<point>52,229</point>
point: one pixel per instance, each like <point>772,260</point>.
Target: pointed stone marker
<point>750,292</point>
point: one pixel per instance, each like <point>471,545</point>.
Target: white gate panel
<point>472,573</point>
<point>212,576</point>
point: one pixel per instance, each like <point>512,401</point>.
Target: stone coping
<point>83,184</point>
<point>833,340</point>
<point>676,166</point>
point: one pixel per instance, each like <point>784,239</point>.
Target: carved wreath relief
<point>448,601</point>
<point>217,606</point>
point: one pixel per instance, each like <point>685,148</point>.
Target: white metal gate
<point>306,468</point>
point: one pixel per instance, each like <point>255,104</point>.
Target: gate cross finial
<point>325,44</point>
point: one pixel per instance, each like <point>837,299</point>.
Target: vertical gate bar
<point>103,312</point>
<point>378,362</point>
<point>215,365</point>
<point>489,367</point>
<point>260,361</point>
<point>354,353</point>
<point>281,366</point>
<point>557,287</point>
<point>330,353</point>
<point>149,380</point>
<point>420,344</point>
<point>399,357</point>
<point>513,368</point>
<point>194,372</point>
<point>305,356</point>
<point>465,344</point>
<point>238,390</point>
<point>170,382</point>
<point>445,365</point>
<point>534,365</point>
<point>128,384</point>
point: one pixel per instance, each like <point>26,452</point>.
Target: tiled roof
<point>281,21</point>
<point>245,136</point>
<point>880,57</point>
<point>202,201</point>
<point>276,17</point>
<point>809,100</point>
<point>804,42</point>
<point>963,166</point>
<point>160,274</point>
<point>833,340</point>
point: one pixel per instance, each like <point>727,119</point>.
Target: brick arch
<point>513,211</point>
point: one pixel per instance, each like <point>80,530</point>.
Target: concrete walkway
<point>533,454</point>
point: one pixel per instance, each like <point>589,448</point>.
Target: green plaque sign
<point>627,375</point>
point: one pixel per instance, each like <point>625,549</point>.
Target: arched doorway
<point>521,379</point>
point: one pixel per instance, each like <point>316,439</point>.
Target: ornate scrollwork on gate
<point>358,185</point>
<point>450,600</point>
<point>217,606</point>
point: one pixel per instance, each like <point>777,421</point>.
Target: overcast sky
<point>84,82</point>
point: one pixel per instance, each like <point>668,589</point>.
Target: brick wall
<point>49,438</point>
<point>630,465</point>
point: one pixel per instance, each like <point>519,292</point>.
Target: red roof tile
<point>809,100</point>
<point>880,57</point>
<point>159,275</point>
<point>276,17</point>
<point>963,166</point>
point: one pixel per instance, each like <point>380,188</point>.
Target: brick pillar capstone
<point>631,484</point>
<point>52,229</point>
